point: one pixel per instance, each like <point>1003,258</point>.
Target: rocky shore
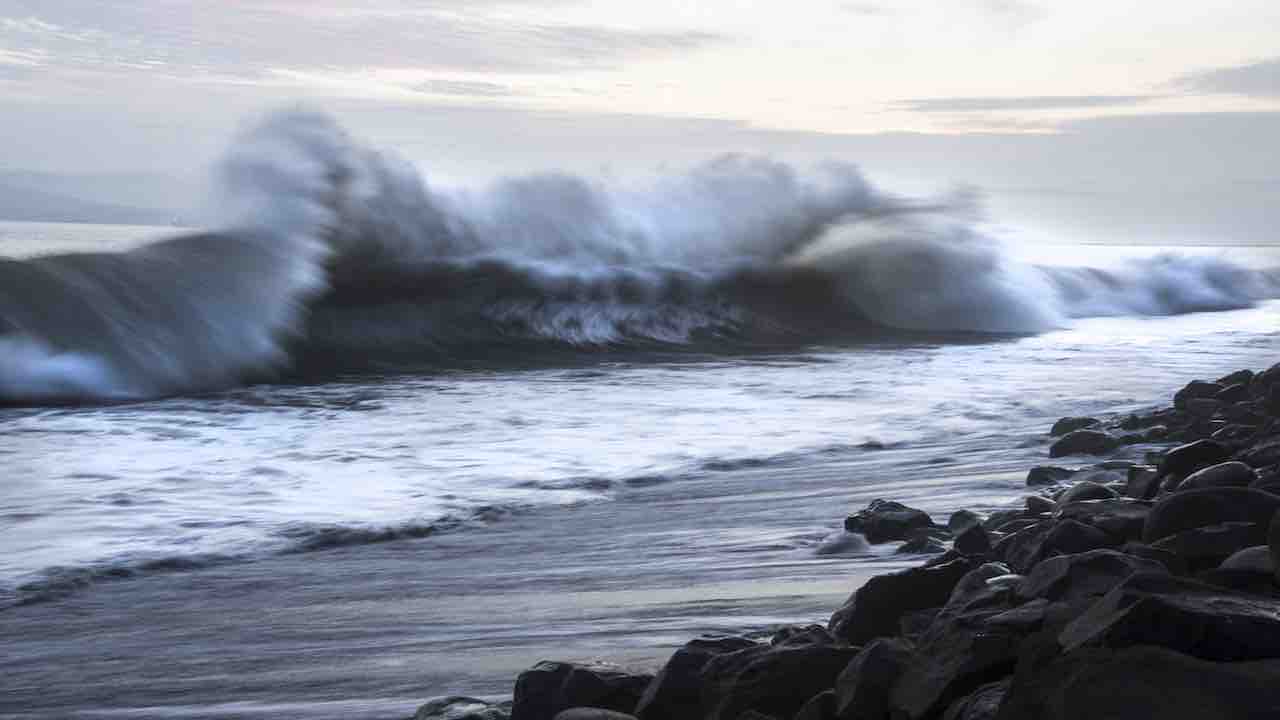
<point>1119,589</point>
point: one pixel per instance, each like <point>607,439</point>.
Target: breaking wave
<point>333,256</point>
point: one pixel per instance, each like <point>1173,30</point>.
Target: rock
<point>1239,377</point>
<point>974,541</point>
<point>1120,517</point>
<point>550,687</point>
<point>1207,546</point>
<point>1087,575</point>
<point>1142,483</point>
<point>1171,562</point>
<point>843,543</point>
<point>1182,615</point>
<point>1195,390</point>
<point>1234,393</point>
<point>1083,442</point>
<point>1273,541</point>
<point>1002,518</point>
<point>1025,548</point>
<point>589,713</point>
<point>1263,454</point>
<point>1256,559</point>
<point>885,520</point>
<point>1037,505</point>
<point>875,608</point>
<point>1071,424</point>
<point>981,704</point>
<point>1235,434</point>
<point>462,708</point>
<point>1203,407</point>
<point>1209,506</point>
<point>676,691</point>
<point>962,520</point>
<point>862,689</point>
<point>821,707</point>
<point>1086,490</point>
<point>921,544</point>
<point>1186,459</point>
<point>1227,474</point>
<point>1048,475</point>
<point>1140,682</point>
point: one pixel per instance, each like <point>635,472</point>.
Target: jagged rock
<point>1227,474</point>
<point>1119,517</point>
<point>875,608</point>
<point>862,689</point>
<point>1048,475</point>
<point>1082,576</point>
<point>1083,442</point>
<point>885,520</point>
<point>549,687</point>
<point>1023,549</point>
<point>1086,490</point>
<point>1209,506</point>
<point>458,707</point>
<point>1071,424</point>
<point>962,520</point>
<point>590,713</point>
<point>1196,389</point>
<point>974,541</point>
<point>1183,615</point>
<point>1256,559</point>
<point>1140,682</point>
<point>1186,459</point>
<point>676,691</point>
<point>1207,546</point>
<point>1037,505</point>
<point>981,704</point>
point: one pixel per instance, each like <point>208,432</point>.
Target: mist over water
<point>334,257</point>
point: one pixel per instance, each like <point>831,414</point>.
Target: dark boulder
<point>974,541</point>
<point>1209,506</point>
<point>1086,490</point>
<point>462,708</point>
<point>1039,505</point>
<point>1121,518</point>
<point>1183,615</point>
<point>590,713</point>
<point>962,520</point>
<point>1048,475</point>
<point>1195,390</point>
<point>921,543</point>
<point>885,520</point>
<point>874,610</point>
<point>862,689</point>
<point>1141,682</point>
<point>1071,424</point>
<point>1083,576</point>
<point>1256,559</point>
<point>821,707</point>
<point>1203,407</point>
<point>1227,474</point>
<point>1142,483</point>
<point>1262,455</point>
<point>549,687</point>
<point>1084,442</point>
<point>1239,377</point>
<point>981,704</point>
<point>1025,548</point>
<point>1186,459</point>
<point>1207,546</point>
<point>1234,393</point>
<point>676,691</point>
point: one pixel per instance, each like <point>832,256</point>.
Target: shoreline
<point>1121,588</point>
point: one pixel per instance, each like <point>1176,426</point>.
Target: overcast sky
<point>1123,117</point>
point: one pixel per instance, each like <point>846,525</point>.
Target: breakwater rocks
<point>1120,588</point>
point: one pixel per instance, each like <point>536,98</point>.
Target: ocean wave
<point>335,257</point>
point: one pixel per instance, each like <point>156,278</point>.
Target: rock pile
<point>1120,589</point>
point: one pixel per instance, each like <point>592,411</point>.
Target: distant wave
<point>334,257</point>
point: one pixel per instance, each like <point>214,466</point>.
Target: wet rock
<point>1210,506</point>
<point>962,520</point>
<point>1273,541</point>
<point>590,713</point>
<point>921,543</point>
<point>1207,546</point>
<point>1203,407</point>
<point>1140,682</point>
<point>1071,424</point>
<point>862,689</point>
<point>1170,561</point>
<point>821,707</point>
<point>1155,433</point>
<point>1142,483</point>
<point>550,687</point>
<point>1083,442</point>
<point>1234,393</point>
<point>843,543</point>
<point>1086,490</point>
<point>885,520</point>
<point>1239,377</point>
<point>1227,474</point>
<point>1256,559</point>
<point>875,609</point>
<point>1235,434</point>
<point>676,691</point>
<point>1037,505</point>
<point>1186,459</point>
<point>974,541</point>
<point>1263,454</point>
<point>1196,390</point>
<point>1048,475</point>
<point>981,704</point>
<point>1121,518</point>
<point>1000,520</point>
<point>1025,548</point>
<point>1083,576</point>
<point>458,707</point>
<point>1182,615</point>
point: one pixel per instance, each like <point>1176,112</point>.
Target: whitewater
<point>368,438</point>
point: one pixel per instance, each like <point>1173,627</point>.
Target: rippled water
<point>649,497</point>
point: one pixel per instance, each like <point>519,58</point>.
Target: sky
<point>1118,118</point>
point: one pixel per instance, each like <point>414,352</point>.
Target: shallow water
<point>349,548</point>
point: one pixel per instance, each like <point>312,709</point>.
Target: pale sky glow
<point>607,83</point>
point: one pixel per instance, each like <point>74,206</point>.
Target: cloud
<point>1013,13</point>
<point>464,88</point>
<point>239,38</point>
<point>1028,103</point>
<point>868,9</point>
<point>1259,79</point>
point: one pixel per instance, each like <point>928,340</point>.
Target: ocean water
<point>375,441</point>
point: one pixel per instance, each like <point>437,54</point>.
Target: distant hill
<point>128,199</point>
